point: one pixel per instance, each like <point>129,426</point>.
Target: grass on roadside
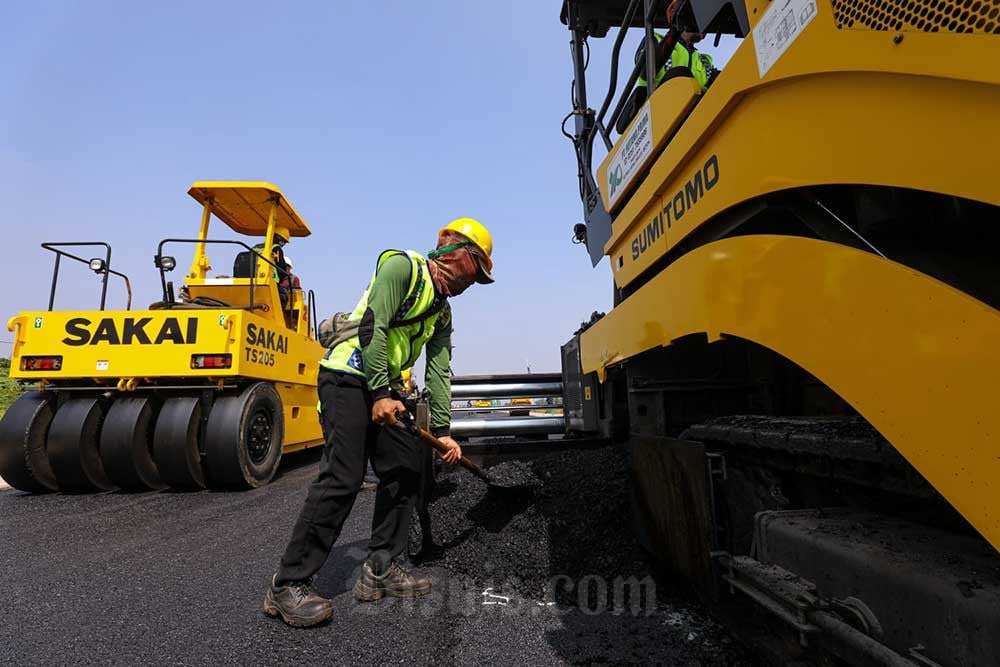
<point>10,390</point>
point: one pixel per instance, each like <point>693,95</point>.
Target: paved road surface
<point>178,579</point>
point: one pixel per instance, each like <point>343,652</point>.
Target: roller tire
<point>176,443</point>
<point>73,445</point>
<point>244,437</point>
<point>24,462</point>
<point>126,444</point>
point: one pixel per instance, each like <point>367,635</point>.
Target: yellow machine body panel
<point>245,206</point>
<point>837,107</point>
<point>645,136</point>
<point>236,291</point>
<point>302,427</point>
<point>902,348</point>
<point>129,350</point>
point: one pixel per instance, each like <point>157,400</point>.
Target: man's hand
<point>454,452</point>
<point>383,412</point>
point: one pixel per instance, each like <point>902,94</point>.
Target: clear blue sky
<point>381,121</point>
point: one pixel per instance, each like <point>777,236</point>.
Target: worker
<point>280,271</point>
<point>279,239</point>
<point>679,47</point>
<point>291,280</point>
<point>404,308</point>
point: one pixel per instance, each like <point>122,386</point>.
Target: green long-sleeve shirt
<point>385,297</point>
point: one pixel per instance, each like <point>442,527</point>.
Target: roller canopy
<point>244,206</point>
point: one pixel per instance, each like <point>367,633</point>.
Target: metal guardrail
<point>506,390</point>
<point>467,428</point>
<point>500,418</point>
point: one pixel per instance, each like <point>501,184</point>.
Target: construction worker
<point>679,48</point>
<point>278,241</point>
<point>679,57</point>
<point>291,281</point>
<point>404,308</point>
<point>281,268</point>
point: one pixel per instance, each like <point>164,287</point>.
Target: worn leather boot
<point>396,582</point>
<point>297,604</point>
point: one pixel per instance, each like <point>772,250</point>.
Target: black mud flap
<point>671,507</point>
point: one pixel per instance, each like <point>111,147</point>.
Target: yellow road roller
<point>205,388</point>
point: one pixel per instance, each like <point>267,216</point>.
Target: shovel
<point>405,421</point>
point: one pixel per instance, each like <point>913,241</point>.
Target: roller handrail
<point>163,276</point>
<point>54,247</point>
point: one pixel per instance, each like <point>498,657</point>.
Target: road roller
<point>207,387</point>
<point>801,359</point>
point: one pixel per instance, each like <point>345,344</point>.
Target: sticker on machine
<point>102,365</point>
<point>635,148</point>
<point>781,25</point>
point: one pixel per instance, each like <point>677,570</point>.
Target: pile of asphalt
<point>561,539</point>
<point>565,519</point>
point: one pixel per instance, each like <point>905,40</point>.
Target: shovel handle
<point>404,422</point>
<point>443,448</point>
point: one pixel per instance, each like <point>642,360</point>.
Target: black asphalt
<point>177,578</point>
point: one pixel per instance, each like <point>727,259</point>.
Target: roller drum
<point>176,441</point>
<point>127,444</point>
<point>73,445</point>
<point>24,428</point>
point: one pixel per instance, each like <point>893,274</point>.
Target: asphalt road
<point>177,578</point>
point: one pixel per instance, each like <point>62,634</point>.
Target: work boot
<point>297,604</point>
<point>396,582</point>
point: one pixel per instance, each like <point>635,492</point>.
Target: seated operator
<point>679,49</point>
<point>290,281</point>
<point>281,269</point>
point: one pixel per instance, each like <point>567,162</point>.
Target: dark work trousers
<point>351,440</point>
<point>424,496</point>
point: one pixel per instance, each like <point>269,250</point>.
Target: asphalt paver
<point>178,578</point>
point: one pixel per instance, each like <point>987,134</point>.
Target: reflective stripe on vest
<point>681,57</point>
<point>641,81</point>
<point>259,249</point>
<point>404,342</point>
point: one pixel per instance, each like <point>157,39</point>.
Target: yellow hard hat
<point>282,231</point>
<point>476,232</point>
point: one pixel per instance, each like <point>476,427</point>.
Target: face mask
<point>456,271</point>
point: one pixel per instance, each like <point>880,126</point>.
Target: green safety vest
<point>681,57</point>
<point>411,326</point>
<point>259,249</point>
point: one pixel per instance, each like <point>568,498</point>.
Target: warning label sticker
<point>635,148</point>
<point>782,24</point>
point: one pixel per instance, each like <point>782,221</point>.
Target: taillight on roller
<point>211,361</point>
<point>52,363</point>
